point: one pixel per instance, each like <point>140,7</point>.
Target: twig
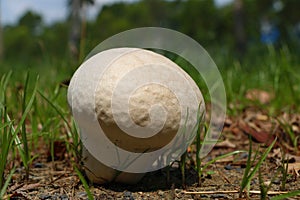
<point>233,191</point>
<point>56,178</point>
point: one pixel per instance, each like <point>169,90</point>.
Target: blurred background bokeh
<point>233,28</point>
<point>257,37</point>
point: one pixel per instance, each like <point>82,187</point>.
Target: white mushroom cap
<point>130,101</point>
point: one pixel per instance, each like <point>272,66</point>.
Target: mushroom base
<point>99,173</point>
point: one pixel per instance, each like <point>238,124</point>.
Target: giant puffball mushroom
<point>125,97</point>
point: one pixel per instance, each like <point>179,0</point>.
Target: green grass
<point>200,167</point>
<point>287,195</point>
<point>276,72</point>
<point>249,172</point>
<point>84,183</point>
<point>22,111</point>
<point>6,137</point>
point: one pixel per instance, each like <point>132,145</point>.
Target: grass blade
<point>5,141</point>
<point>248,167</point>
<point>23,132</point>
<point>221,157</point>
<point>24,151</point>
<point>3,189</point>
<point>248,177</point>
<point>28,107</point>
<point>84,183</point>
<point>286,195</point>
<point>57,109</point>
<point>264,156</point>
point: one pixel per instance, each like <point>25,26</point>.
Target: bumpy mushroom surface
<point>140,102</point>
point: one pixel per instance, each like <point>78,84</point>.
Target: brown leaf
<point>236,131</point>
<point>258,135</point>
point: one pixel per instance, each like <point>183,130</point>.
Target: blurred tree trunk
<point>1,37</point>
<point>75,29</point>
<point>239,27</point>
<point>78,28</point>
<point>82,34</point>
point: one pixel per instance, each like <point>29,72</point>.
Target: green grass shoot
<point>248,173</point>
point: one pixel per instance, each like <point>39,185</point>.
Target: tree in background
<point>220,29</point>
<point>78,25</point>
<point>239,27</point>
<point>23,41</point>
<point>33,21</point>
<point>1,37</point>
<point>74,37</point>
<point>198,19</point>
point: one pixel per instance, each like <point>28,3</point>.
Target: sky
<point>51,10</point>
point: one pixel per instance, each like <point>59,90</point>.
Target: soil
<point>221,180</point>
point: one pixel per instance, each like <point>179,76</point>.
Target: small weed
<point>6,135</point>
<point>198,148</point>
<point>290,133</point>
<point>284,170</point>
<point>22,144</point>
<point>5,127</point>
<point>4,187</point>
<point>199,168</point>
<point>264,189</point>
<point>248,173</point>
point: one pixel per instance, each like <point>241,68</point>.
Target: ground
<point>57,179</point>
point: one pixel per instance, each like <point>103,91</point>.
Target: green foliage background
<point>32,39</point>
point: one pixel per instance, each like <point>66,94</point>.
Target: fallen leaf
<point>260,136</point>
<point>236,131</point>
